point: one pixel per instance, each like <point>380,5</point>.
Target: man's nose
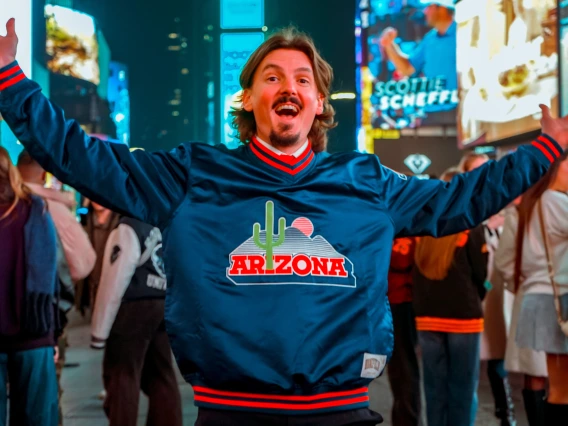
<point>288,87</point>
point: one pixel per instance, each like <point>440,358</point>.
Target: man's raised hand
<point>556,128</point>
<point>8,44</point>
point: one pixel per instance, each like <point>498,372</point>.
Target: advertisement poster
<point>406,56</point>
<point>507,62</point>
<point>72,43</point>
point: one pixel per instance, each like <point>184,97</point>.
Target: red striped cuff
<point>282,404</point>
<point>548,147</point>
<point>11,75</point>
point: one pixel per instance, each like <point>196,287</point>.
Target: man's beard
<point>279,140</point>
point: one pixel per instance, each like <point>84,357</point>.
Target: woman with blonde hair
<point>541,271</point>
<point>448,287</point>
<point>28,286</point>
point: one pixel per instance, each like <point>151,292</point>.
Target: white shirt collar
<point>299,152</point>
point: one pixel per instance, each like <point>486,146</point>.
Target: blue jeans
<point>33,388</point>
<point>451,376</point>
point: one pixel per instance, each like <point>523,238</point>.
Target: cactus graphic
<point>269,243</point>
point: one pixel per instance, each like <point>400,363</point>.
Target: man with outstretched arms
<point>276,253</point>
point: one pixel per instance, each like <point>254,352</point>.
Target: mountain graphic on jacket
<point>297,258</point>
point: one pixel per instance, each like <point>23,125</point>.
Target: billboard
<point>406,67</point>
<point>238,14</point>
<point>507,62</point>
<point>235,51</point>
<point>72,44</point>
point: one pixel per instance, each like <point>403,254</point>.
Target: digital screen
<point>72,44</point>
<point>563,14</point>
<point>507,62</point>
<point>406,67</point>
<point>235,51</point>
<point>236,14</point>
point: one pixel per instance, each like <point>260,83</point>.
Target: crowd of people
<point>457,296</point>
<point>258,348</point>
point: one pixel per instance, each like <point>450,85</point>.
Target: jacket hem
<point>449,325</point>
<point>282,404</point>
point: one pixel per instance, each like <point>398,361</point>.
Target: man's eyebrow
<point>279,68</point>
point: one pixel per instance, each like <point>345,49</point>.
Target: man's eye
<point>273,78</point>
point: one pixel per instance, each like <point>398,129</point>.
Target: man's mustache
<point>287,100</point>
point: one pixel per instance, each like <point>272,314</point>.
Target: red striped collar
<point>286,163</point>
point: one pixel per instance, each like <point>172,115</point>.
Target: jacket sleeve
<point>437,208</point>
<point>122,254</point>
<point>147,186</point>
<point>478,256</point>
<point>79,252</point>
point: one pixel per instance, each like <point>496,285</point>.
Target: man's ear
<point>247,101</point>
<point>321,99</point>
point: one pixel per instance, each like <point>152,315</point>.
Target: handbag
<point>563,324</point>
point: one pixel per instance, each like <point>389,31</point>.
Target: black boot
<point>507,415</point>
<point>502,394</point>
<point>535,404</point>
<point>556,414</point>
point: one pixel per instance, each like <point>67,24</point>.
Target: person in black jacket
<point>129,320</point>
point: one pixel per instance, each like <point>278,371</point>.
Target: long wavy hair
<point>526,210</point>
<point>288,38</point>
<point>12,188</point>
<point>434,256</point>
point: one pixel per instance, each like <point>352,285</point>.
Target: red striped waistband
<point>286,404</point>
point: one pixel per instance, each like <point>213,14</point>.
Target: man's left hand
<point>556,128</point>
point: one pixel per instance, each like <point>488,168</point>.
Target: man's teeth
<point>290,107</point>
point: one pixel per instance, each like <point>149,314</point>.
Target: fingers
<point>545,110</point>
<point>11,27</point>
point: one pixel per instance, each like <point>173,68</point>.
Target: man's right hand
<point>388,36</point>
<point>8,44</point>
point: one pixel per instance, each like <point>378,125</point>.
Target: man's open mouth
<point>289,110</point>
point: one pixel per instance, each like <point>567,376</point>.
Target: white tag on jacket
<point>373,365</point>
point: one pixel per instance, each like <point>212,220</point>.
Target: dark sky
<point>137,34</point>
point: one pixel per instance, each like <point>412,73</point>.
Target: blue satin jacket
<point>277,268</point>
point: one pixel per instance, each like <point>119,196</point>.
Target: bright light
<point>22,11</point>
<point>175,113</point>
<point>119,117</point>
<point>173,36</point>
<point>264,29</point>
<point>337,96</point>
